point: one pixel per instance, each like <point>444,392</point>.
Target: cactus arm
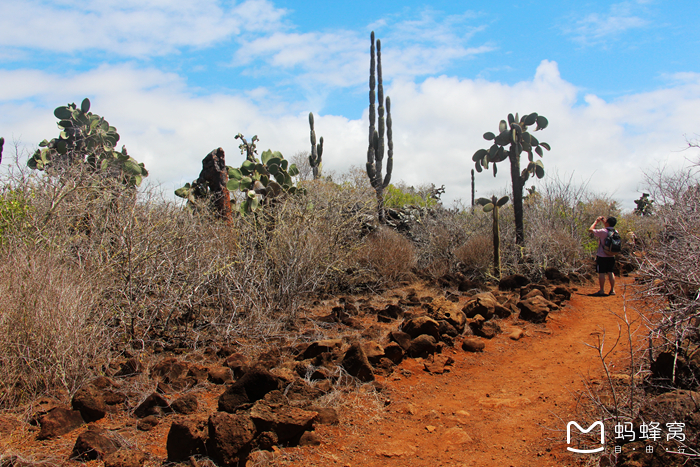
<point>390,144</point>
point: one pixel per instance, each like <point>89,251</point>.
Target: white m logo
<point>589,429</point>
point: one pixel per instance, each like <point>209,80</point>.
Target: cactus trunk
<point>472,187</point>
<point>517,196</point>
<point>496,242</point>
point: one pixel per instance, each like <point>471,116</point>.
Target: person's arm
<point>592,227</point>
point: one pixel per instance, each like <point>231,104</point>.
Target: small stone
<point>473,345</point>
<point>309,438</point>
<point>516,334</point>
<point>147,423</point>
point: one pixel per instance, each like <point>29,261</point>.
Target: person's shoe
<point>612,292</point>
<point>599,294</point>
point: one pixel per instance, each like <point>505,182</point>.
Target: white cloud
<point>338,58</point>
<point>438,125</point>
<point>596,28</point>
<point>132,28</point>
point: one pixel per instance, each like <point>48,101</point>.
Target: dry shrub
<point>476,256</point>
<point>52,329</point>
<point>436,237</point>
<point>389,254</point>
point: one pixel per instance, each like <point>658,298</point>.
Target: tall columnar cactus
<point>515,136</point>
<point>472,187</point>
<point>375,151</point>
<point>316,150</point>
<point>2,143</point>
<point>492,205</point>
<point>87,138</point>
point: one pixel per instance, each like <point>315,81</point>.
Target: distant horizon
<point>619,83</point>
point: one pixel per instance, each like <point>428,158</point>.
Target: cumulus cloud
<point>422,46</point>
<point>131,28</point>
<point>438,125</point>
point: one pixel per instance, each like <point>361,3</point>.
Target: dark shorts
<point>604,264</point>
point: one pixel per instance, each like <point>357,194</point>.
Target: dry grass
<point>389,254</point>
<point>52,329</point>
<point>476,255</point>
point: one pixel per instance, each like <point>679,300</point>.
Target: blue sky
<point>619,82</point>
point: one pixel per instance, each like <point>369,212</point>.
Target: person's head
<point>611,221</point>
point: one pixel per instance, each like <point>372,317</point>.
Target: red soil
<point>505,406</point>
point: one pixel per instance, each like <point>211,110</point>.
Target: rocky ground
<point>450,375</point>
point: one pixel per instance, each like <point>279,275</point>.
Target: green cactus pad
<point>183,192</point>
<point>233,184</point>
<point>63,113</point>
<point>234,173</point>
<point>502,201</point>
<point>546,146</point>
<point>488,207</point>
<point>539,151</point>
<point>478,155</point>
<point>488,136</point>
<point>530,119</point>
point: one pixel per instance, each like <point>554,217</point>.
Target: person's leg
<point>611,278</point>
<point>601,281</point>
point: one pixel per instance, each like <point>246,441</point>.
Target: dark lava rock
<point>252,386</point>
<point>534,309</point>
<point>394,352</point>
<point>356,364</point>
<point>401,338</point>
<point>185,405</point>
<point>230,437</point>
<point>513,282</point>
<point>155,404</point>
<point>421,325</point>
<point>473,345</point>
<point>59,421</point>
<point>95,443</point>
<point>187,437</point>
<point>422,346</point>
<point>147,423</point>
<point>483,304</point>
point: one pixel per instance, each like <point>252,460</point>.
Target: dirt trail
<point>507,406</point>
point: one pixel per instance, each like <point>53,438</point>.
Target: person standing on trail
<point>605,264</point>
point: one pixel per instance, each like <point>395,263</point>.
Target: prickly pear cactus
<point>87,138</point>
<point>259,180</point>
<point>492,205</point>
<point>513,138</point>
<point>262,180</point>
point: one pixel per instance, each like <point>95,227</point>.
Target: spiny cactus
<point>247,148</point>
<point>645,206</point>
<point>258,181</point>
<point>264,180</point>
<point>492,205</point>
<point>316,150</point>
<point>515,135</point>
<point>87,138</point>
<point>375,151</point>
<point>472,187</point>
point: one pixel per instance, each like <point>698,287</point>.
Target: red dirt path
<point>507,406</point>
